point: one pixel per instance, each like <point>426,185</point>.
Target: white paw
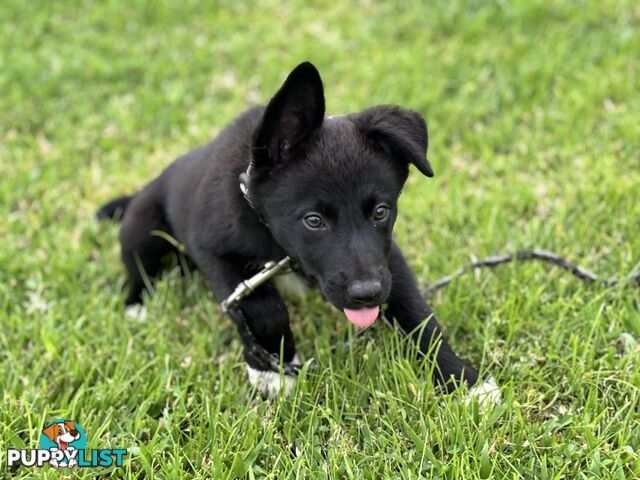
<point>72,463</point>
<point>137,311</point>
<point>270,383</point>
<point>487,393</point>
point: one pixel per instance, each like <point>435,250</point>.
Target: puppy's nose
<point>364,291</point>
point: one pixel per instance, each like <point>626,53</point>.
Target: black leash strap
<point>255,354</point>
<point>534,254</point>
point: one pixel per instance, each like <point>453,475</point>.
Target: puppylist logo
<point>63,443</point>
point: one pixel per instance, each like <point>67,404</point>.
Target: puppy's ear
<point>51,432</point>
<point>292,116</point>
<point>399,133</point>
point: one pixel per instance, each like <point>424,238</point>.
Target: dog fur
<point>347,171</point>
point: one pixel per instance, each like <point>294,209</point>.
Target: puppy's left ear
<point>399,133</point>
<point>293,115</point>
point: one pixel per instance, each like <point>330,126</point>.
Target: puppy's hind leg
<point>142,251</point>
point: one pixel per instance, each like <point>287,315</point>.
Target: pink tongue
<point>362,317</point>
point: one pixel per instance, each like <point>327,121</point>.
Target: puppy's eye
<point>381,213</point>
<point>313,221</point>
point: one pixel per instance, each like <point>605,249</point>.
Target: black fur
<point>115,208</point>
<point>347,171</point>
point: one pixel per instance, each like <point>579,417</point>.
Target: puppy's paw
<point>487,393</point>
<point>272,384</point>
<point>137,311</point>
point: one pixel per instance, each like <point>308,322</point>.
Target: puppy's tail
<point>115,208</point>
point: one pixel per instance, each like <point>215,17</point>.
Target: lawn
<point>533,111</point>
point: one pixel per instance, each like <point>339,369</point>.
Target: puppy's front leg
<point>267,319</point>
<point>410,310</point>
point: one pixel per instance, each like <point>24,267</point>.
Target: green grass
<point>535,140</point>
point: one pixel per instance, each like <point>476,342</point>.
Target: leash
<point>271,269</point>
<point>246,287</point>
<point>265,360</point>
<point>534,254</point>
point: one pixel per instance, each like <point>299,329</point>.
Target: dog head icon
<point>62,433</point>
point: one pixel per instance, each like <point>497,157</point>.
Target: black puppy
<point>321,190</point>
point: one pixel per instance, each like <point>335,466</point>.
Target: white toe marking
<point>136,311</point>
<point>487,393</point>
<point>269,383</point>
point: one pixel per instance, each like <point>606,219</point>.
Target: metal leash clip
<point>244,288</point>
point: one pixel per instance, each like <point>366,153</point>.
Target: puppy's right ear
<point>399,133</point>
<point>291,118</point>
<point>50,432</point>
